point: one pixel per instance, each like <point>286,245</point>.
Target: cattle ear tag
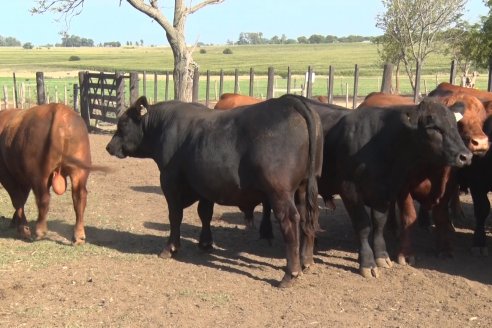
<point>458,116</point>
<point>143,110</point>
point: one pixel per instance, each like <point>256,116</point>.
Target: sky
<point>107,21</point>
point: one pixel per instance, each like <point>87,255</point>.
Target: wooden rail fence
<point>101,97</point>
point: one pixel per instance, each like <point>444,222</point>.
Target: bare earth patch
<point>117,280</point>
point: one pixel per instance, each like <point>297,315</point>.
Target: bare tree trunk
<point>184,67</point>
<point>397,79</point>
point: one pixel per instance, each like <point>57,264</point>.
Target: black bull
<point>269,152</point>
<point>368,157</point>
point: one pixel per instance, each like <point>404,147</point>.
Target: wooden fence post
<point>289,77</point>
<point>5,97</point>
<point>386,83</point>
<point>120,93</point>
<point>40,87</point>
<point>309,82</point>
<point>236,80</point>
<point>271,77</point>
<point>221,82</point>
<point>166,92</point>
<point>16,97</point>
<point>133,87</point>
<point>331,78</point>
<point>84,95</point>
<point>356,86</point>
<point>489,84</point>
<point>196,85</point>
<point>416,94</point>
<point>144,83</point>
<point>251,81</point>
<point>75,97</point>
<point>207,89</point>
<point>155,87</point>
<point>452,75</point>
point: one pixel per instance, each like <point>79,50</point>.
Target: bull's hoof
<point>168,252</point>
<point>384,262</point>
<point>249,223</point>
<point>24,232</point>
<point>289,279</point>
<point>309,267</point>
<point>369,272</point>
<point>78,241</point>
<point>206,247</point>
<point>406,259</point>
<point>480,251</point>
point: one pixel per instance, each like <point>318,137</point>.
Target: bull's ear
<point>458,109</point>
<point>141,105</point>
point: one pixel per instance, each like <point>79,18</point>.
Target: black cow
<point>268,152</point>
<point>478,179</point>
<point>372,153</point>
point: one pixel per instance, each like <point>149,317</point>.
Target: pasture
<point>117,280</point>
<point>61,73</point>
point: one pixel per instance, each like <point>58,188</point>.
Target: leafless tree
<point>414,29</point>
<point>175,32</point>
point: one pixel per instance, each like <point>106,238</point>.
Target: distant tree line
<point>257,38</point>
<point>9,42</point>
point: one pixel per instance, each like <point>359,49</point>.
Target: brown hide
<point>380,99</point>
<point>37,145</point>
<point>445,89</point>
<point>233,100</point>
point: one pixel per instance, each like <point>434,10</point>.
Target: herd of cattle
<point>281,153</point>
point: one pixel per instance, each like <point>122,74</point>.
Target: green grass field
<point>60,73</point>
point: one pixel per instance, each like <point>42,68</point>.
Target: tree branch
<point>202,4</point>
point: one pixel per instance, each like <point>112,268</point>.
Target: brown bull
<point>380,99</point>
<point>233,100</point>
<point>435,186</point>
<point>39,148</point>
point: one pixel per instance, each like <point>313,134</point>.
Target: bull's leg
<point>248,217</point>
<point>444,228</point>
<point>79,198</point>
<point>362,226</point>
<point>408,217</point>
<point>266,228</point>
<point>307,227</point>
<point>205,212</point>
<point>424,219</point>
<point>18,196</point>
<point>380,252</point>
<point>286,212</point>
<point>43,197</point>
<point>19,221</point>
<point>173,243</point>
<point>481,207</point>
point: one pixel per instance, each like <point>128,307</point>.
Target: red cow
<point>380,99</point>
<point>476,178</point>
<point>435,187</point>
<point>233,100</point>
<point>39,148</point>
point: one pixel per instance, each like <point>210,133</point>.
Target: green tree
<point>414,28</point>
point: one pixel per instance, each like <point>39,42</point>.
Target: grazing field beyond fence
<point>61,71</point>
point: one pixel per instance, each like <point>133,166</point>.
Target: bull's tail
<point>311,224</point>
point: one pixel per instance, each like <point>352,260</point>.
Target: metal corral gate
<point>102,95</point>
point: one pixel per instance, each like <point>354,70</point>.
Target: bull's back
<point>233,100</point>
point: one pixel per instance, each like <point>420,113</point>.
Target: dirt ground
<point>117,280</point>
